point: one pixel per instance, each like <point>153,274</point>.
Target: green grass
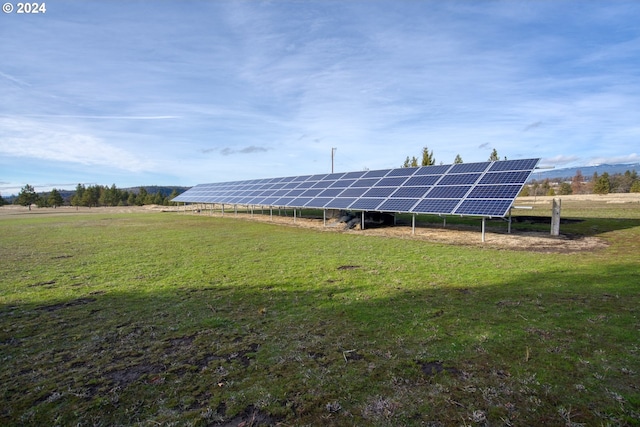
<point>177,319</point>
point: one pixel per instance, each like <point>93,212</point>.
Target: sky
<point>170,92</point>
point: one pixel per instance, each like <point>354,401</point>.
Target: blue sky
<point>187,92</point>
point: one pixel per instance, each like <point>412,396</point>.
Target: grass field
<point>174,319</point>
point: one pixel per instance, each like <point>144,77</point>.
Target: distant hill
<point>587,171</point>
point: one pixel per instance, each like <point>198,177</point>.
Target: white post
<point>483,220</point>
<point>413,224</point>
<point>555,217</point>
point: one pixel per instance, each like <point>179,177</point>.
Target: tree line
<point>92,196</point>
<point>427,159</point>
<point>605,183</point>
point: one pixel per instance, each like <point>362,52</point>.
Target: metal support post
<point>483,221</point>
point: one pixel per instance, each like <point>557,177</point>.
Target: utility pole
<point>333,150</point>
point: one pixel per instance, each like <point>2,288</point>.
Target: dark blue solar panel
<point>379,192</point>
<point>306,184</point>
<point>505,177</point>
<point>494,191</point>
<point>284,201</point>
<point>366,204</point>
<point>435,206</point>
<point>376,173</point>
<point>432,170</point>
<point>267,201</point>
<point>354,192</point>
<point>312,192</point>
<point>301,178</point>
<point>318,202</point>
<point>331,192</point>
<point>295,192</point>
<point>416,192</point>
<point>365,182</point>
<point>402,172</point>
<point>397,205</point>
<point>301,201</point>
<point>340,202</point>
<point>322,184</point>
<point>343,183</point>
<point>469,167</point>
<point>291,185</point>
<point>484,207</point>
<point>390,182</point>
<point>514,165</point>
<point>333,176</point>
<point>462,179</point>
<point>422,180</point>
<point>451,192</point>
<point>350,175</point>
<point>317,177</point>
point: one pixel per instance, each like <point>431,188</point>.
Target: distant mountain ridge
<point>587,171</point>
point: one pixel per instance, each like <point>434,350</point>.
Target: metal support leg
<point>483,221</point>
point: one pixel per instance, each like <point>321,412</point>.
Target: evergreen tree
<point>175,194</point>
<point>565,189</point>
<point>2,201</point>
<point>427,157</point>
<point>601,185</point>
<point>91,196</point>
<point>76,200</point>
<point>42,201</point>
<point>406,163</point>
<point>141,198</point>
<point>458,159</point>
<point>494,156</point>
<point>55,198</point>
<point>27,196</point>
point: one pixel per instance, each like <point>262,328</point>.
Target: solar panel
<point>475,189</point>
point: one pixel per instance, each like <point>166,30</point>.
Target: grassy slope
<point>167,318</point>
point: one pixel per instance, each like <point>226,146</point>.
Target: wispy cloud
<point>51,142</point>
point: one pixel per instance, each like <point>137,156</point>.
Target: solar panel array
<point>470,189</point>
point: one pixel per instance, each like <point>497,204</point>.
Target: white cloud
<point>631,158</point>
<point>54,142</point>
